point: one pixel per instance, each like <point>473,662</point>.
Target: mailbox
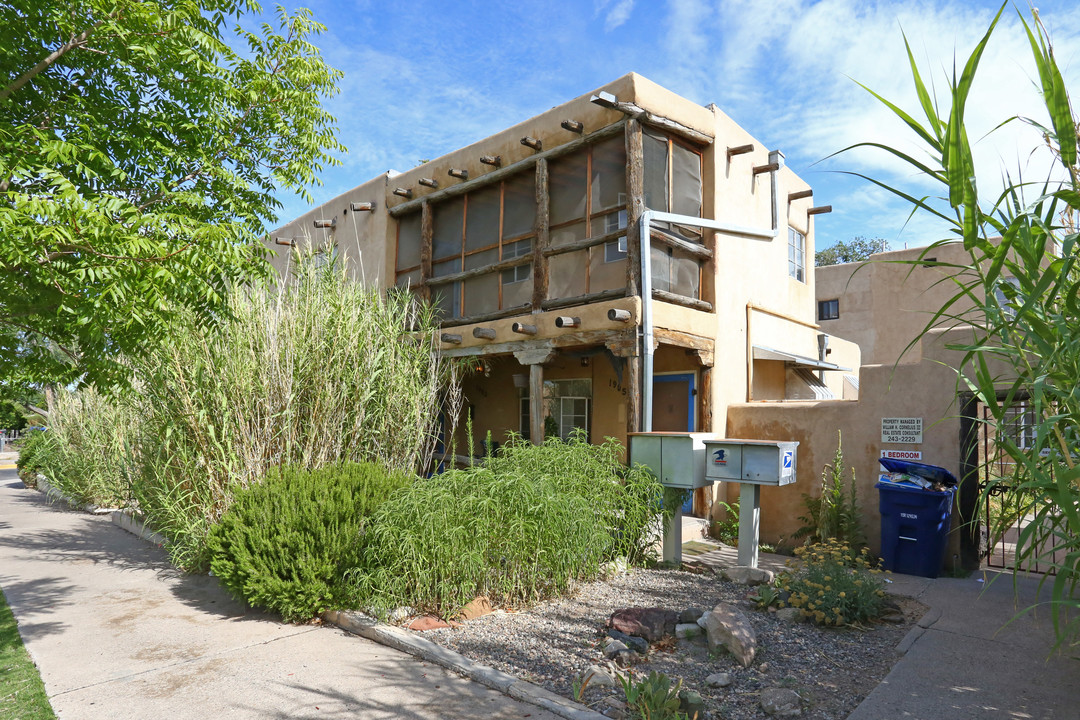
<point>676,458</point>
<point>756,462</point>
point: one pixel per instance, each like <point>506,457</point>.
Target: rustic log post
<point>427,231</point>
<point>543,224</point>
<point>635,204</point>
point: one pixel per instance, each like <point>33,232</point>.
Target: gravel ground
<point>831,669</point>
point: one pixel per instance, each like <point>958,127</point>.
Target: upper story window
<point>828,309</point>
<point>672,181</point>
<point>796,254</point>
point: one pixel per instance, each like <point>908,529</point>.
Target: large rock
<point>649,623</point>
<point>727,627</point>
<point>745,575</point>
<point>781,702</point>
<point>636,644</point>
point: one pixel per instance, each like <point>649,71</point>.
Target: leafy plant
<point>727,529</point>
<point>320,371</point>
<point>286,543</point>
<point>833,585</point>
<point>34,453</point>
<point>1017,292</point>
<point>834,514</point>
<point>653,697</point>
<point>517,529</point>
<point>142,152</point>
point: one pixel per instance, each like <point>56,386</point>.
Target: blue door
<point>673,409</point>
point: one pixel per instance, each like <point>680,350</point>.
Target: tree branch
<point>75,42</point>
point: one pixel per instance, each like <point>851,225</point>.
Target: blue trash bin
<point>914,528</point>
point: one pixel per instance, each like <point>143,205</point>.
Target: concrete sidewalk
<point>117,633</point>
<point>966,660</point>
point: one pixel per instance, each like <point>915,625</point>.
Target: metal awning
<point>766,353</point>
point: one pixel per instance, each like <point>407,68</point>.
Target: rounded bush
<point>285,543</point>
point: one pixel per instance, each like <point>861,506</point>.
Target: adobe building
<point>884,305</point>
<point>626,261</point>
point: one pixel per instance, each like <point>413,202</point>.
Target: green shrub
<point>834,585</point>
<point>35,450</point>
<point>92,447</point>
<point>726,530</point>
<point>653,697</point>
<point>321,371</point>
<point>285,543</point>
<point>520,528</point>
<point>834,514</point>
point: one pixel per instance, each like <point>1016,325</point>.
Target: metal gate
<point>1007,510</point>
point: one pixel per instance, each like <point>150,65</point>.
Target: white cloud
<point>618,13</point>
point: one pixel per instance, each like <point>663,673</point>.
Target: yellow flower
<point>843,594</point>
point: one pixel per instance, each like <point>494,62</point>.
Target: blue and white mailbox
<point>751,463</point>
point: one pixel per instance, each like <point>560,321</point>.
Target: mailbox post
<point>677,459</point>
<point>751,463</point>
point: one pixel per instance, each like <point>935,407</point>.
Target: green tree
<point>1020,281</point>
<point>858,249</point>
<point>140,155</point>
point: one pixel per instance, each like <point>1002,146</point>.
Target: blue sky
<point>424,78</point>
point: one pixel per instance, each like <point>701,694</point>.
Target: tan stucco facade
<point>739,330</point>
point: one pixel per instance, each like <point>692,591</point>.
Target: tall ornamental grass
<point>88,452</point>
<point>1021,284</point>
<point>520,528</point>
<point>322,371</point>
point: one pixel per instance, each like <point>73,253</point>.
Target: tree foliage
<point>859,249</point>
<point>1018,291</point>
<point>140,155</point>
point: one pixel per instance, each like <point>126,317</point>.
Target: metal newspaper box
<point>677,459</point>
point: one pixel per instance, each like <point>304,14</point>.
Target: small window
<point>828,309</point>
<point>796,255</point>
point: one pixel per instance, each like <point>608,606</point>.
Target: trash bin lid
<point>930,472</point>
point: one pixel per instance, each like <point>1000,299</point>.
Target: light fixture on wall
<point>584,362</point>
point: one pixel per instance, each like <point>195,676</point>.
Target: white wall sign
<point>902,454</point>
<point>901,430</point>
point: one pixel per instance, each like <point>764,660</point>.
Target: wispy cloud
<point>615,12</point>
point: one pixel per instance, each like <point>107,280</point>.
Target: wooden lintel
<point>675,299</point>
<point>771,167</point>
<point>689,341</point>
<point>568,340</point>
<point>535,356</point>
<point>557,303</point>
<point>792,197</point>
<point>739,150</point>
<point>819,210</point>
<point>473,272</point>
<point>504,172</point>
<point>585,244</point>
<point>699,251</point>
<point>623,346</point>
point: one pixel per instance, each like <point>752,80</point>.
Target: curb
<point>124,519</point>
<point>405,641</point>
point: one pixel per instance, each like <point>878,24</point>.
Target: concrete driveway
<point>117,633</point>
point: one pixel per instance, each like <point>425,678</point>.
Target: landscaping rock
<point>691,615</point>
<point>597,676</point>
<point>703,619</point>
<point>781,702</point>
<point>718,680</point>
<point>427,622</point>
<point>728,627</point>
<point>688,630</point>
<point>636,644</point>
<point>745,575</point>
<point>649,623</point>
<point>613,647</point>
<point>479,607</point>
<point>790,614</point>
<point>399,614</point>
<point>613,707</point>
<point>691,703</point>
